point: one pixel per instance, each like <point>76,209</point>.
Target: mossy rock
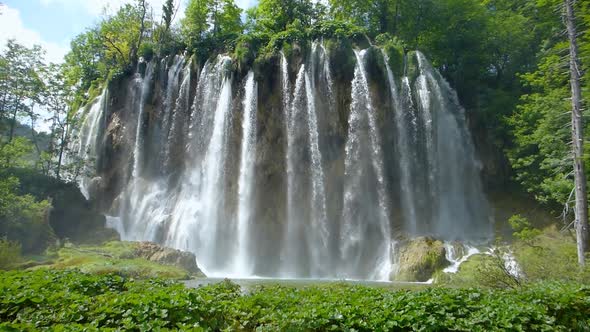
<point>342,59</point>
<point>412,69</point>
<point>125,258</point>
<point>396,55</point>
<point>420,258</point>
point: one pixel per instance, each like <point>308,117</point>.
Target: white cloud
<point>96,7</point>
<point>246,4</point>
<point>11,26</point>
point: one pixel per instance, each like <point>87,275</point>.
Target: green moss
<point>342,59</point>
<point>419,259</point>
<point>412,70</point>
<point>114,257</point>
<point>395,50</point>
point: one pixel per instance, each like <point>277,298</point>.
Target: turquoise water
<point>250,283</point>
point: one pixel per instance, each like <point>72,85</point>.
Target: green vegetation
<point>22,218</point>
<point>10,254</point>
<point>550,255</point>
<point>75,301</point>
<point>114,257</point>
<point>542,255</point>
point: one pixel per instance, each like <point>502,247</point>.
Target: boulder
<point>419,258</point>
<point>168,256</point>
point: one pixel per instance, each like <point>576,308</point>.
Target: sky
<point>54,23</point>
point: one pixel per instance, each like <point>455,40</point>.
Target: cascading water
<point>455,192</point>
<point>318,241</point>
<point>243,265</point>
<point>307,236</point>
<point>88,138</point>
<point>405,154</point>
<point>196,215</point>
<point>457,254</point>
<point>362,219</point>
<point>209,149</point>
<point>294,252</point>
<point>137,151</point>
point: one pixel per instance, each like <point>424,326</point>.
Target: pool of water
<point>249,283</point>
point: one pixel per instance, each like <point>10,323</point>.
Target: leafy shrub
<point>294,33</point>
<point>395,50</point>
<point>16,153</point>
<point>22,217</point>
<point>247,47</point>
<point>523,229</point>
<point>10,253</point>
<point>548,255</point>
<point>337,29</point>
<point>74,301</point>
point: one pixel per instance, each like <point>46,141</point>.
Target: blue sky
<point>53,23</point>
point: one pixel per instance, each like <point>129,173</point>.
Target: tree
<point>195,22</point>
<point>21,82</point>
<point>85,63</point>
<point>167,13</point>
<point>581,211</point>
<point>162,32</point>
<point>226,18</point>
<point>275,15</point>
<point>211,25</point>
<point>122,35</point>
<point>58,101</point>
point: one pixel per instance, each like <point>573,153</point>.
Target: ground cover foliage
<point>72,301</point>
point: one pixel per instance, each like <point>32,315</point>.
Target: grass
<point>112,258</point>
<point>552,255</point>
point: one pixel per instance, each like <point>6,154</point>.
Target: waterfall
<point>141,207</point>
<point>168,107</point>
<point>179,118</point>
<point>88,139</point>
<point>246,177</point>
<point>137,151</point>
<point>457,254</point>
<point>362,221</point>
<point>455,191</point>
<point>295,251</point>
<point>264,175</point>
<point>196,214</point>
<point>307,249</point>
<point>318,241</point>
<point>403,147</point>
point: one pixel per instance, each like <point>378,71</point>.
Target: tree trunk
<point>141,32</point>
<point>33,132</point>
<point>581,212</point>
<point>62,146</point>
<point>12,123</point>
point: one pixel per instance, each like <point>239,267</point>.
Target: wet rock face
<point>419,259</point>
<point>168,123</point>
<point>168,256</point>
